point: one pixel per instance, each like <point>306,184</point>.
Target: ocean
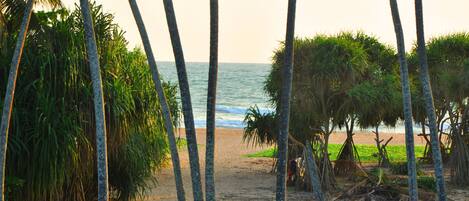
<point>240,85</point>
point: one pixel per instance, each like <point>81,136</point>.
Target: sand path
<point>236,176</point>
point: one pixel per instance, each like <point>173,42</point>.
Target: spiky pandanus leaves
<point>429,104</point>
<point>372,98</point>
<point>52,141</point>
<point>162,100</point>
<point>11,12</point>
<point>261,128</point>
<point>406,100</point>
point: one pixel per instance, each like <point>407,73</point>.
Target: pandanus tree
<point>211,103</point>
<point>379,61</point>
<point>376,95</point>
<point>324,68</point>
<point>98,99</point>
<point>406,99</point>
<point>448,69</point>
<point>380,103</point>
<point>185,99</point>
<point>12,76</point>
<point>162,99</point>
<point>429,105</point>
<point>284,104</point>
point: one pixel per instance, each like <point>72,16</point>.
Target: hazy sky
<point>251,29</point>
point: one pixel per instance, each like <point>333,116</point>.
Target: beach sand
<point>241,178</point>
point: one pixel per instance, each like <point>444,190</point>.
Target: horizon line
<point>222,62</point>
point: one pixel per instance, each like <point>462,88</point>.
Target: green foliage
<point>52,137</point>
<point>427,182</point>
<point>449,74</point>
<point>14,185</point>
<point>260,128</point>
<point>377,176</point>
<point>367,153</point>
<point>325,69</point>
<point>400,168</point>
<point>335,78</point>
<point>267,153</point>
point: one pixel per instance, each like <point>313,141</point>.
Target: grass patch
<point>267,153</point>
<point>367,153</point>
<point>181,142</point>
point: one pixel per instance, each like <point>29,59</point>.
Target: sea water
<point>240,85</point>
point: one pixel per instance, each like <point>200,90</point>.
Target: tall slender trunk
<point>313,172</point>
<point>407,102</point>
<point>10,90</point>
<point>211,103</point>
<point>429,105</point>
<point>185,99</point>
<point>285,103</point>
<point>101,144</point>
<point>162,99</point>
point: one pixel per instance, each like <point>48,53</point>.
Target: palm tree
<point>185,99</point>
<point>412,179</point>
<point>12,76</point>
<point>211,103</point>
<point>285,103</point>
<point>162,100</point>
<point>101,145</point>
<point>10,90</point>
<point>429,105</point>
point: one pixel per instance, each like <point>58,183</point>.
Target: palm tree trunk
<point>10,90</point>
<point>407,102</point>
<point>101,145</point>
<point>285,103</point>
<point>211,103</point>
<point>185,99</point>
<point>162,99</point>
<point>429,105</point>
<point>313,172</point>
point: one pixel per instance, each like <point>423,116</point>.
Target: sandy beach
<point>238,177</point>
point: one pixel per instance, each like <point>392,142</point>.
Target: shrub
<point>401,169</point>
<point>426,182</point>
<point>52,136</point>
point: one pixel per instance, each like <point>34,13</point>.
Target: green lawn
<point>366,152</point>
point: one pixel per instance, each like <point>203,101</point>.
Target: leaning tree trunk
<point>407,102</point>
<point>185,99</point>
<point>211,103</point>
<point>313,172</point>
<point>285,103</point>
<point>429,105</point>
<point>10,90</point>
<point>162,99</point>
<point>101,145</point>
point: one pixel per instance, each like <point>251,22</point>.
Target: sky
<point>250,30</point>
